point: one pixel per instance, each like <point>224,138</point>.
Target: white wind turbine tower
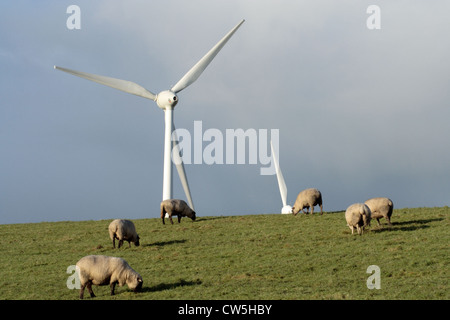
<point>281,184</point>
<point>166,100</point>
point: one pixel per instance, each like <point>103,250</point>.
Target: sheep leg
<point>129,244</point>
<point>114,242</point>
<point>89,287</point>
<point>112,286</point>
<point>389,220</point>
<point>321,212</point>
<point>163,213</point>
<point>351,228</point>
<point>120,243</point>
<point>358,228</point>
<point>312,210</point>
<point>82,290</point>
<point>179,218</point>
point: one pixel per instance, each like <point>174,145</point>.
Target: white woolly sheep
<point>104,270</point>
<point>176,207</point>
<point>358,215</point>
<point>123,230</point>
<point>307,198</point>
<point>381,208</point>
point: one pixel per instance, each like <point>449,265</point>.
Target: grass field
<point>257,257</point>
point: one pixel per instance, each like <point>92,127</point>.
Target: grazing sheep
<point>358,215</point>
<point>307,198</point>
<point>381,208</point>
<point>123,230</point>
<point>176,207</point>
<point>103,270</point>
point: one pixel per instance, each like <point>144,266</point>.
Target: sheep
<point>176,207</point>
<point>104,270</point>
<point>381,208</point>
<point>123,230</point>
<point>307,198</point>
<point>358,215</point>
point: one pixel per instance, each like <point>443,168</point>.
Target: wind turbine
<point>281,184</point>
<point>166,100</point>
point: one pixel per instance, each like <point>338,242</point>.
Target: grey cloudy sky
<point>361,113</point>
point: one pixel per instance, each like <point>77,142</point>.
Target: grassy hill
<point>270,256</point>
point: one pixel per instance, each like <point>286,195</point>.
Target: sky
<point>360,112</point>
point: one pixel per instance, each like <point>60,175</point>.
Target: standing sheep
<point>358,215</point>
<point>176,207</point>
<point>103,270</point>
<point>307,198</point>
<point>123,230</point>
<point>381,208</point>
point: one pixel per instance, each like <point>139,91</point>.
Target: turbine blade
<point>123,85</point>
<point>201,65</point>
<point>180,167</point>
<point>281,183</point>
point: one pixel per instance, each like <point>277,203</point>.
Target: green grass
<point>270,256</point>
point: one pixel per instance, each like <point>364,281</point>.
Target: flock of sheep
<point>103,270</point>
<point>357,215</point>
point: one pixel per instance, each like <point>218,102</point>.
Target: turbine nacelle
<point>166,99</point>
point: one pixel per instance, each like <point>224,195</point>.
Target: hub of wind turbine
<point>166,99</point>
